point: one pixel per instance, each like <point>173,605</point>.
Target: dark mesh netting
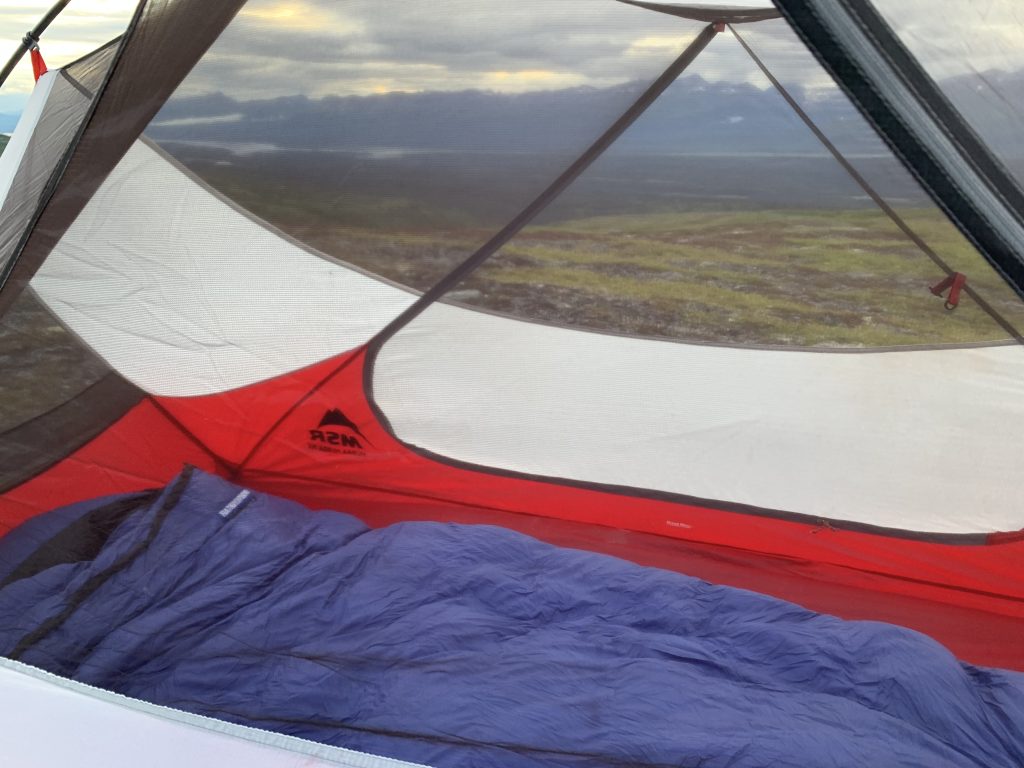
<point>29,168</point>
<point>975,52</point>
<point>43,365</point>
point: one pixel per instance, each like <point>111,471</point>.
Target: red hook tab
<point>38,65</point>
<point>955,283</point>
<point>719,27</point>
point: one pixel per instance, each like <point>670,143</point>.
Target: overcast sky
<point>365,46</point>
<point>952,37</point>
<point>281,47</point>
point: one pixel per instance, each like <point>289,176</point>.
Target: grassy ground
<point>808,278</point>
<point>756,273</point>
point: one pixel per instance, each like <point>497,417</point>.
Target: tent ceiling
<point>725,14</point>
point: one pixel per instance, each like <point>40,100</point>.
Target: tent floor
<point>976,636</point>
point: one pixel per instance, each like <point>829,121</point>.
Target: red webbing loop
<point>38,65</point>
<point>955,283</point>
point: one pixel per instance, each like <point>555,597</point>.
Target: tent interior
<point>465,383</point>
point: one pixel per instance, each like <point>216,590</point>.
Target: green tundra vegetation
<point>739,273</point>
<point>796,278</point>
<point>805,278</point>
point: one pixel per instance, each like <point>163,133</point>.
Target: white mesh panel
<point>919,440</point>
<point>184,295</point>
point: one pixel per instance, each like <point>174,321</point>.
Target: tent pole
<point>31,39</point>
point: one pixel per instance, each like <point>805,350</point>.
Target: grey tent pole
<point>31,39</point>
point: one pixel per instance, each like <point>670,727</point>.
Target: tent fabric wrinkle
<point>262,310</point>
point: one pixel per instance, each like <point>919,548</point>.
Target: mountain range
<point>693,117</point>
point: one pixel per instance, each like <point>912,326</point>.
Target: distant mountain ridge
<point>693,116</point>
<point>993,102</point>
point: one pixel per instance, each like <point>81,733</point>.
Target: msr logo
<point>336,433</point>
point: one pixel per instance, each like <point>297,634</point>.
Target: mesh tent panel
<point>719,217</point>
<point>627,249</point>
<point>43,364</point>
<point>57,392</point>
<point>65,97</point>
<point>975,52</point>
<point>89,113</point>
<point>399,143</point>
<point>172,32</point>
<point>910,110</point>
<point>402,183</point>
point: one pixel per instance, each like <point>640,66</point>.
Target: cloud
<point>320,47</point>
<point>281,48</point>
<point>364,46</point>
<point>953,37</point>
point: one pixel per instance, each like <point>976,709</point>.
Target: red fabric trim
<point>330,452</point>
<point>977,636</point>
<point>231,423</point>
<point>140,450</point>
<point>959,281</point>
<point>300,463</point>
<point>955,283</point>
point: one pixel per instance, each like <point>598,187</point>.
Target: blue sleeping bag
<point>459,645</point>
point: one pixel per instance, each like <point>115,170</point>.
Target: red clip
<point>719,27</point>
<point>955,284</point>
<point>38,65</point>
